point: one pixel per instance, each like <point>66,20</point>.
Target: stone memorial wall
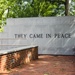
<point>52,35</point>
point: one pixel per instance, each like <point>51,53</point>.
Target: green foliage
<point>3,8</point>
<point>32,8</point>
<point>40,8</point>
<point>72,7</point>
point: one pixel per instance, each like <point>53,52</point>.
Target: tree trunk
<point>66,7</point>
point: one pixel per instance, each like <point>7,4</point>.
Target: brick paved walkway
<point>47,65</point>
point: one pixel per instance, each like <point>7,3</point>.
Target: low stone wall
<point>16,58</point>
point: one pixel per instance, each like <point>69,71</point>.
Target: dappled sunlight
<point>28,58</point>
<point>32,64</point>
<point>31,67</point>
<point>16,56</point>
<point>57,52</point>
<point>66,43</point>
<point>47,64</point>
<point>3,64</point>
<point>18,41</point>
<point>33,70</point>
<point>44,62</point>
<point>44,56</point>
<point>73,30</point>
<point>4,73</point>
<point>17,59</point>
<point>50,41</point>
<point>73,23</point>
<point>67,49</point>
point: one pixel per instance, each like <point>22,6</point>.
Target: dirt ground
<point>47,65</point>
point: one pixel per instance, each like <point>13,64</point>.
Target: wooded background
<point>34,8</point>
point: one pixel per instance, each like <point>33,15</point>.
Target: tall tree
<point>66,7</point>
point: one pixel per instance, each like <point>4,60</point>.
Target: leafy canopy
<point>31,8</point>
